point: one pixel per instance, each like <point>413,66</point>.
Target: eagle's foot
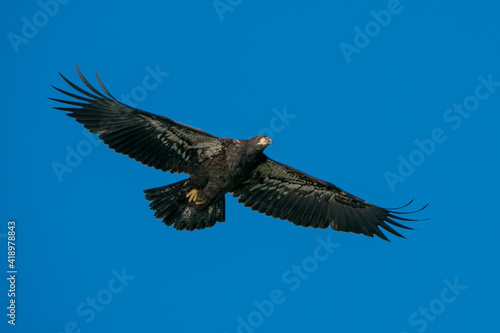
<point>193,197</point>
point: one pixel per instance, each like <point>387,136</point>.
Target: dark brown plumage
<point>218,166</point>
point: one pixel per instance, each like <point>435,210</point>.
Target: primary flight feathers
<point>218,166</point>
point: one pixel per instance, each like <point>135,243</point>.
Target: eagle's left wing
<point>283,192</point>
<point>153,140</point>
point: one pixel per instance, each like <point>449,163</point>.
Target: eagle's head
<point>257,144</point>
<point>261,141</point>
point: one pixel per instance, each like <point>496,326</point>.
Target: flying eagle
<point>217,166</point>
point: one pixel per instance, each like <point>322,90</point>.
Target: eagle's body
<point>218,166</point>
<point>223,172</point>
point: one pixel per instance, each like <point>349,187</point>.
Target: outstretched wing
<point>283,192</point>
<point>153,140</point>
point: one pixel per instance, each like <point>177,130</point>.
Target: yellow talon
<point>193,196</point>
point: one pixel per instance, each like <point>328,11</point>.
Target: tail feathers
<point>171,205</point>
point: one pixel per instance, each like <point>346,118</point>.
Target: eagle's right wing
<point>153,140</point>
<point>283,192</point>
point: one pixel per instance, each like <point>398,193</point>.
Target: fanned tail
<point>171,205</point>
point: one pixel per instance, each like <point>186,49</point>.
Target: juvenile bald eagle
<point>218,166</point>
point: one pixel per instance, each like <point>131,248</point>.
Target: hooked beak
<point>265,141</point>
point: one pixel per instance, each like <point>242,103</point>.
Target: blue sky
<point>389,100</point>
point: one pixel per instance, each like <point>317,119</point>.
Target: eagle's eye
<point>265,141</point>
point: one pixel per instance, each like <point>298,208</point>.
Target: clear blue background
<point>227,73</point>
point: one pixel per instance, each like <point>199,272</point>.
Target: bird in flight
<point>217,166</point>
